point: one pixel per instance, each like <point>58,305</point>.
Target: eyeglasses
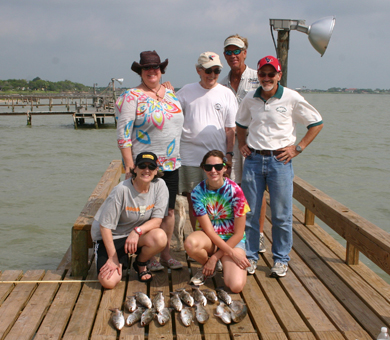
<point>270,75</point>
<point>147,165</point>
<point>155,67</point>
<point>210,70</point>
<point>209,167</point>
<point>235,52</point>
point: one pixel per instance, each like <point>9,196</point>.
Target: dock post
<point>28,118</point>
<point>50,103</point>
<point>31,103</point>
<point>95,120</point>
<point>74,120</point>
<point>13,106</point>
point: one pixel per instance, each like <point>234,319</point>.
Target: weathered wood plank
<point>32,315</point>
<point>6,288</point>
<point>83,316</point>
<point>112,298</point>
<point>17,300</point>
<point>371,240</point>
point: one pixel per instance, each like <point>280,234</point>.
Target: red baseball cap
<point>269,60</point>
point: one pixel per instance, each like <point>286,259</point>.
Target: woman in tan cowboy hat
<point>150,118</point>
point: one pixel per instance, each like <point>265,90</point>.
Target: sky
<point>93,41</point>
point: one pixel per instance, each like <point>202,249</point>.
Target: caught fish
<point>186,316</point>
<point>147,316</point>
<point>198,296</point>
<point>143,299</point>
<point>224,296</point>
<point>223,312</point>
<point>210,295</point>
<point>159,302</point>
<point>164,316</point>
<point>186,297</point>
<point>175,301</point>
<point>238,310</point>
<point>201,313</point>
<point>117,318</point>
<point>131,303</point>
<point>135,316</point>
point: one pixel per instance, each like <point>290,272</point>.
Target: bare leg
<point>198,245</point>
<point>234,277</point>
<point>110,283</point>
<point>168,224</point>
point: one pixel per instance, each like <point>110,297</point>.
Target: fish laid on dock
<point>175,301</point>
<point>224,296</point>
<point>201,314</point>
<point>131,304</point>
<point>159,302</point>
<point>199,296</point>
<point>186,297</point>
<point>239,310</point>
<point>143,299</point>
<point>224,313</point>
<point>210,295</point>
<point>147,316</point>
<point>135,316</point>
<point>186,316</point>
<point>164,316</point>
<point>117,318</point>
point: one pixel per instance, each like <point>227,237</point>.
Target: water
<point>49,170</point>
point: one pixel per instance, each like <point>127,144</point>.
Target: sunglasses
<point>210,70</point>
<point>235,52</point>
<point>146,165</point>
<point>155,67</point>
<point>270,75</point>
<point>209,167</point>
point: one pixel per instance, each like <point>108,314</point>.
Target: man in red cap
<point>266,131</point>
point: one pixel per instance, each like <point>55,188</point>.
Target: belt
<point>266,152</point>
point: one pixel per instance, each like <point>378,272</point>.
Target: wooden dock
<point>323,296</point>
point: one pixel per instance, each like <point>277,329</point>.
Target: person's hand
<point>168,85</point>
<point>240,259</point>
<point>209,267</point>
<point>131,243</point>
<point>289,152</point>
<point>245,151</point>
<point>110,267</point>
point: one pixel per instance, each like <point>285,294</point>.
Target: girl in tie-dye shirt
<point>220,208</point>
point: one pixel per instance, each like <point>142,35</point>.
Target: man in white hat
<point>209,122</point>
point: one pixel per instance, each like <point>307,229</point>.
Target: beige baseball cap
<point>209,59</point>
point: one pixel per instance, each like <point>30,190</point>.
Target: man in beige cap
<point>209,122</point>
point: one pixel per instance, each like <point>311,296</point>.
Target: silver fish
<point>175,301</point>
<point>143,299</point>
<point>238,310</point>
<point>117,318</point>
<point>131,304</point>
<point>224,296</point>
<point>164,316</point>
<point>198,296</point>
<point>223,312</point>
<point>148,316</point>
<point>135,316</point>
<point>201,313</point>
<point>210,295</point>
<point>159,302</point>
<point>186,316</point>
<point>186,297</point>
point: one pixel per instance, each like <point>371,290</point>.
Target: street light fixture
<point>319,35</point>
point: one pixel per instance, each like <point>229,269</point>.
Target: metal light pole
<point>319,35</point>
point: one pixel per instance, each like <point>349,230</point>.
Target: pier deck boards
<point>322,296</point>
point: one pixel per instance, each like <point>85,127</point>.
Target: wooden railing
<point>360,234</point>
<point>81,230</point>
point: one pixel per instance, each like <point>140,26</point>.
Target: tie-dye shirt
<point>146,124</point>
<point>221,205</point>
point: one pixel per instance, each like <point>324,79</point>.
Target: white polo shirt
<point>271,124</point>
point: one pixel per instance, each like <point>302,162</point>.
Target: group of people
<point>229,141</point>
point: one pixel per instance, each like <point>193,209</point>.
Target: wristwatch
<point>298,148</point>
<point>230,153</point>
<point>138,230</point>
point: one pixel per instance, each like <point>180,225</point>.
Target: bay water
<point>48,171</point>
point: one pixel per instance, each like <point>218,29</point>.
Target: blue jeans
<point>258,172</point>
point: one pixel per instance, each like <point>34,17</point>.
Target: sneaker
<point>279,269</point>
<point>262,244</point>
<point>219,266</point>
<point>252,268</point>
<point>199,279</point>
<point>155,266</point>
<point>171,263</point>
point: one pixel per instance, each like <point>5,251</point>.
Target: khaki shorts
<point>190,177</point>
<point>237,164</point>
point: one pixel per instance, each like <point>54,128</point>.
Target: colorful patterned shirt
<point>145,124</point>
<point>221,205</point>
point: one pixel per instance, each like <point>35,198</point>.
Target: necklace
<point>155,92</point>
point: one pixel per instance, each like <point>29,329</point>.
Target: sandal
<point>171,263</point>
<point>155,266</point>
<point>136,266</point>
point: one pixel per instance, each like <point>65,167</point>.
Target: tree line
<point>38,84</point>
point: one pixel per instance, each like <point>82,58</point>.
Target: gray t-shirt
<point>125,208</point>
